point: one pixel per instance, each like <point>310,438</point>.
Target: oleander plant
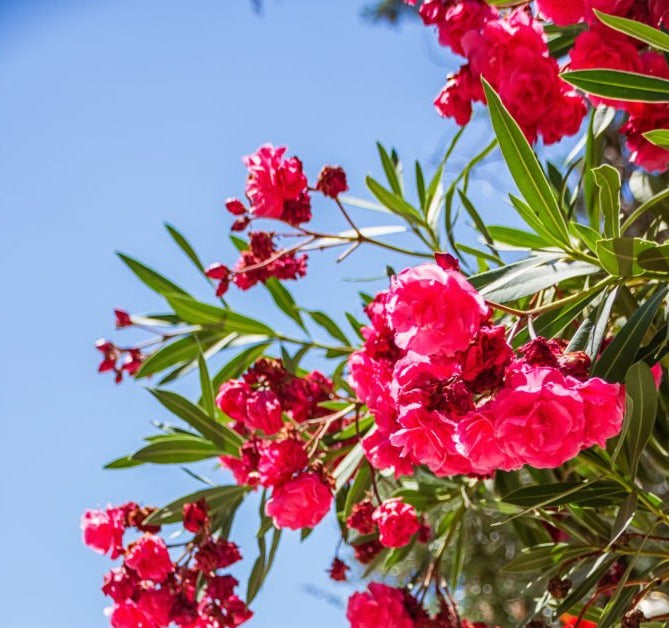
<point>490,430</point>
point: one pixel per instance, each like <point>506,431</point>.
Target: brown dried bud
<point>559,587</point>
<point>633,619</point>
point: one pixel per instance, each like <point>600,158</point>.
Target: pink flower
<point>454,100</point>
<point>263,411</point>
<point>478,439</point>
<point>120,584</point>
<point>195,515</point>
<point>122,318</point>
<point>332,181</point>
<point>562,12</point>
<point>156,604</point>
<point>103,530</point>
<point>434,311</point>
<point>231,399</point>
<point>382,454</point>
<point>128,615</point>
<point>272,180</point>
<point>280,460</point>
<point>460,18</point>
<point>612,7</point>
<point>563,116</point>
<point>380,605</point>
<point>397,522</point>
<point>604,407</point>
<point>539,418</point>
<point>656,372</point>
<point>245,467</point>
<point>149,558</point>
<point>299,503</point>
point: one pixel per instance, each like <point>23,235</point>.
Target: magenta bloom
<point>397,522</point>
<point>380,605</point>
<point>149,558</point>
<point>273,180</point>
<point>434,311</point>
<point>299,503</point>
<point>102,530</point>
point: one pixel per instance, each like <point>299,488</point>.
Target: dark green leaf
<point>177,448</point>
<point>655,258</point>
<point>640,388</point>
<point>617,357</point>
<point>185,246</point>
<point>125,462</point>
<point>324,321</point>
<point>237,365</point>
<point>389,169</point>
<point>624,517</point>
<point>517,237</point>
<point>217,497</point>
<point>207,390</point>
<point>524,167</point>
<point>284,300</point>
<point>151,278</point>
<point>393,202</point>
<point>226,439</point>
<point>596,493</point>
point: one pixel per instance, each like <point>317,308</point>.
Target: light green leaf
<point>284,300</point>
<point>659,137</point>
<point>619,256</point>
<point>394,203</point>
<point>607,179</point>
<point>150,277</point>
<point>177,448</point>
<point>517,237</point>
<point>647,34</point>
<point>185,246</point>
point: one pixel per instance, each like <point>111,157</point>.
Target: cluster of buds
<point>149,588</point>
<point>119,360</point>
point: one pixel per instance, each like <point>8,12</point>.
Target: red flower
<point>331,181</point>
<point>103,530</point>
<point>299,503</point>
<point>220,273</point>
<point>397,522</point>
<point>149,558</point>
<point>235,206</point>
<point>195,515</point>
<point>263,411</point>
<point>337,570</point>
<point>128,615</point>
<point>360,518</point>
<point>280,460</point>
<point>272,180</point>
<point>122,318</point>
<point>156,604</point>
<point>380,605</point>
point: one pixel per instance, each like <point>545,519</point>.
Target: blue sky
<point>115,116</point>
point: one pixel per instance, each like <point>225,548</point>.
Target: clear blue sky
<point>115,116</point>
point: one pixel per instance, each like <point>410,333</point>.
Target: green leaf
<point>524,167</point>
<point>533,220</point>
<point>586,234</point>
<point>208,395</point>
<point>619,256</point>
<point>150,277</point>
<point>619,354</point>
<point>177,448</point>
<point>595,493</point>
<point>624,517</point>
<point>284,300</point>
<point>420,186</point>
<point>542,557</point>
<point>182,350</point>
<point>639,422</point>
<point>185,246</point>
<point>394,203</point>
<point>217,497</point>
<point>226,439</point>
<point>527,281</point>
<point>655,258</point>
<point>360,485</point>
<point>591,578</point>
<point>517,237</point>
<point>620,85</point>
<point>498,277</point>
<point>324,321</point>
<point>474,215</point>
<point>561,38</point>
<point>346,468</point>
<point>198,313</point>
<point>124,462</point>
<point>647,34</point>
<point>551,324</point>
<point>659,137</point>
<point>607,179</point>
<point>389,169</point>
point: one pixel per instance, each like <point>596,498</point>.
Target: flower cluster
<point>276,188</point>
<point>383,605</point>
<point>602,47</point>
<point>511,52</point>
<point>149,589</point>
<point>118,359</point>
<point>301,489</point>
<point>447,391</point>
